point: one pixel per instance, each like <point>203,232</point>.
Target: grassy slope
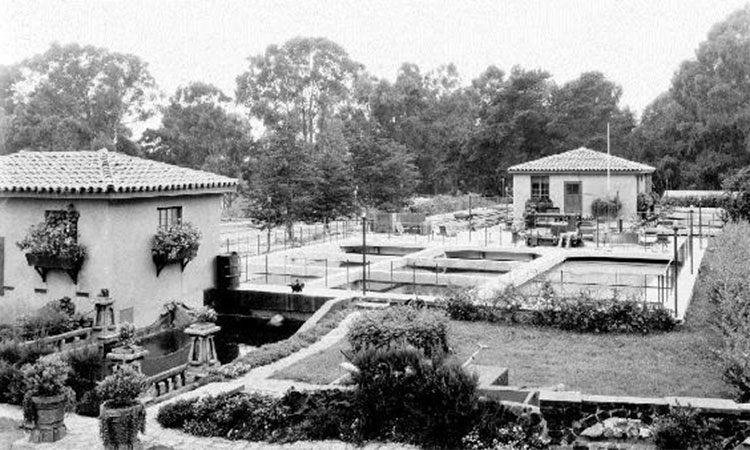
<point>671,364</point>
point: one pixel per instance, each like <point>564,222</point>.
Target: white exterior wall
<point>117,234</point>
<point>593,186</point>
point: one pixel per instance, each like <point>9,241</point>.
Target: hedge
<point>427,330</point>
<point>581,313</point>
<point>710,201</point>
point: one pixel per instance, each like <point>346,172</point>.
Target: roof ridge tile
<point>101,171</point>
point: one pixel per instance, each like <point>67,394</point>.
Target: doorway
<point>573,197</point>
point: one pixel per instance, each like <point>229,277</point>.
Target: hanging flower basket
<point>175,244</point>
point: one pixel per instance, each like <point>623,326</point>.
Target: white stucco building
<point>121,201</point>
<point>574,179</point>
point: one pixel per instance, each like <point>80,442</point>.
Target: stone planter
<point>44,263</point>
<point>202,356</point>
<point>50,415</point>
<point>119,427</point>
<point>128,356</point>
<point>104,321</point>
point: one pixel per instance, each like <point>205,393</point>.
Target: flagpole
<point>609,161</point>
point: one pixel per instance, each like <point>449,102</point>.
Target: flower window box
<point>53,245</point>
<point>178,243</point>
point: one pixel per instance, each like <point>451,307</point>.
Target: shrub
<point>315,415</point>
<point>586,315</point>
<point>234,416</point>
<point>685,428</point>
<point>459,305</point>
<point>87,366</point>
<point>441,204</point>
<point>226,350</point>
<point>504,306</point>
<point>55,317</point>
<point>13,355</point>
<point>582,313</point>
<point>175,414</point>
<point>13,352</point>
<point>424,329</point>
<point>319,415</point>
<point>727,283</point>
<point>646,201</point>
<point>89,404</point>
<point>708,201</point>
<point>122,388</point>
<point>602,207</point>
<point>401,395</point>
<point>12,386</point>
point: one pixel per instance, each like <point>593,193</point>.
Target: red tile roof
<point>581,160</point>
<point>99,172</point>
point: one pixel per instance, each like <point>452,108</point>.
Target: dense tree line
<point>331,139</point>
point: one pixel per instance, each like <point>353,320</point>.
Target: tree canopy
<point>703,121</point>
<point>299,85</point>
<point>74,98</point>
<point>197,131</point>
<point>326,128</point>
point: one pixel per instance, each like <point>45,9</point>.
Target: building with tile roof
<point>120,202</point>
<point>574,179</point>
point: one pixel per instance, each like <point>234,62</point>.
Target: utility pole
<point>675,270</point>
<point>364,254</point>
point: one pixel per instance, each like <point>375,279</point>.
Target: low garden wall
<point>569,414</point>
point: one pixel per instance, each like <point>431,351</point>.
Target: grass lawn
<point>679,363</point>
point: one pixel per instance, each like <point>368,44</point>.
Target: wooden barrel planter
<point>50,416</point>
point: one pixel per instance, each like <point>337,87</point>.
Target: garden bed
<point>679,363</point>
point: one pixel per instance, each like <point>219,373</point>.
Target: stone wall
<point>570,414</point>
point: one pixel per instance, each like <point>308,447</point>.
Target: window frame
<point>169,216</point>
<point>539,187</point>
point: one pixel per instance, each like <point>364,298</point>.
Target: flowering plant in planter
<point>127,335</point>
<point>205,314</point>
<point>56,236</point>
<point>176,243</point>
<point>53,244</point>
<point>47,397</point>
<point>121,416</point>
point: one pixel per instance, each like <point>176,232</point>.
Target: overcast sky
<point>638,44</point>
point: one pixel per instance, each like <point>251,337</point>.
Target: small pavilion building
<point>119,204</point>
<point>573,180</point>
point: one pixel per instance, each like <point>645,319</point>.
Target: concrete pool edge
<point>685,280</point>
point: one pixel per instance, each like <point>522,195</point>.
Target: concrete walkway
<point>83,432</point>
